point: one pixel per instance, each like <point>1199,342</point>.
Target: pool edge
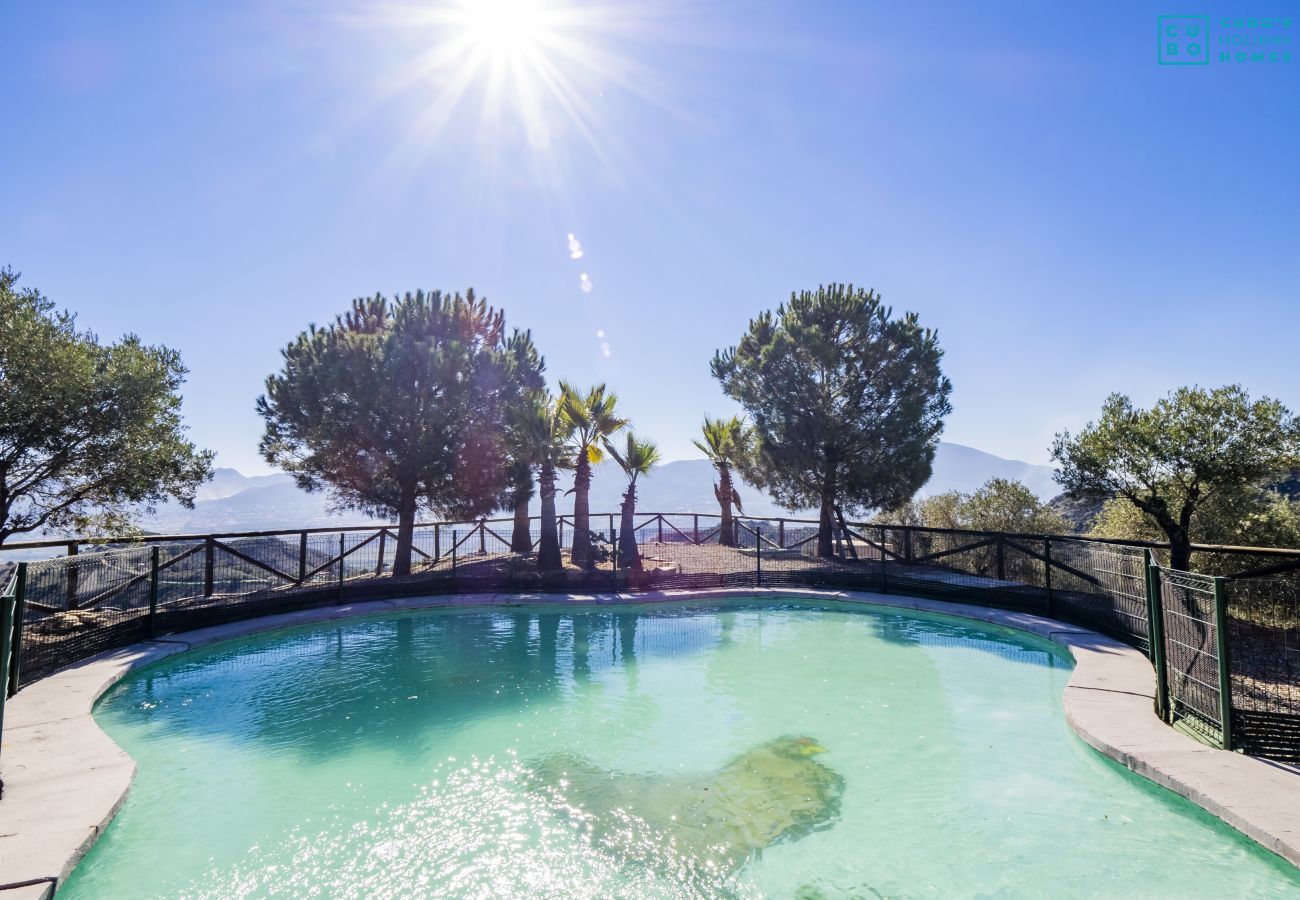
<point>56,805</point>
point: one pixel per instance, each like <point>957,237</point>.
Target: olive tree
<point>1192,450</point>
<point>1000,504</point>
<point>90,433</point>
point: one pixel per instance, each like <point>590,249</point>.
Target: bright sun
<point>523,54</point>
<point>532,70</point>
<point>504,29</point>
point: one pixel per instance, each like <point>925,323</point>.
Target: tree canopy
<point>999,504</point>
<point>398,405</point>
<point>1248,516</point>
<point>90,433</point>
<point>1191,448</point>
<point>847,402</point>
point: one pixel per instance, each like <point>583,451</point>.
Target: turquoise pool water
<point>753,749</point>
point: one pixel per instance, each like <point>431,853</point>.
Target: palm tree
<point>594,420</point>
<point>726,444</point>
<point>542,426</point>
<point>519,491</point>
<point>636,459</point>
<point>521,451</point>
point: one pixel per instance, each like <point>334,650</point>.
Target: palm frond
<point>593,415</point>
<point>725,440</point>
<point>637,458</point>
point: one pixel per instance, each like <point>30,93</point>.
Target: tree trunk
<point>727,534</point>
<point>548,549</point>
<point>1177,530</point>
<point>520,540</point>
<point>405,530</point>
<point>826,521</point>
<point>581,550</point>
<point>848,538</point>
<point>628,557</point>
<point>1180,550</point>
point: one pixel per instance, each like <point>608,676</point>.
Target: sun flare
<point>531,83</point>
<point>505,28</point>
<point>532,68</point>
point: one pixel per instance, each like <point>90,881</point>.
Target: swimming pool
<point>749,749</point>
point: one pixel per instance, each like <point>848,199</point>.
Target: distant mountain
<point>228,482</point>
<point>234,502</point>
<point>961,468</point>
<point>687,485</point>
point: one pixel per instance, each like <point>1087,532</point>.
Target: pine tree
<point>847,403</point>
<point>397,406</point>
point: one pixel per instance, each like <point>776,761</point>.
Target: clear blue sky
<point>1074,218</point>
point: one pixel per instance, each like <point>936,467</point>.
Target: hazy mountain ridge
<point>235,502</point>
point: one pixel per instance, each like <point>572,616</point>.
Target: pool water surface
<point>756,748</point>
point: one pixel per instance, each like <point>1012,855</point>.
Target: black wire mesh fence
<point>1192,652</point>
<point>103,597</point>
<point>1263,630</point>
<point>1103,586</point>
<point>77,606</point>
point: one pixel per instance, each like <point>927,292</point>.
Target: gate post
<point>302,557</point>
<point>74,576</point>
<point>7,604</point>
<point>342,549</point>
<point>884,570</point>
<point>20,613</point>
<point>209,551</point>
<point>153,592</point>
<point>455,542</point>
<point>1225,671</point>
<point>1047,574</point>
<point>1156,634</point>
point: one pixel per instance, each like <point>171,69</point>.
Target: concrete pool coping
<point>65,779</point>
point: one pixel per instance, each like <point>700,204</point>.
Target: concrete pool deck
<point>65,779</point>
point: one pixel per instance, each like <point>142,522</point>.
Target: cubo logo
<point>1184,40</point>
